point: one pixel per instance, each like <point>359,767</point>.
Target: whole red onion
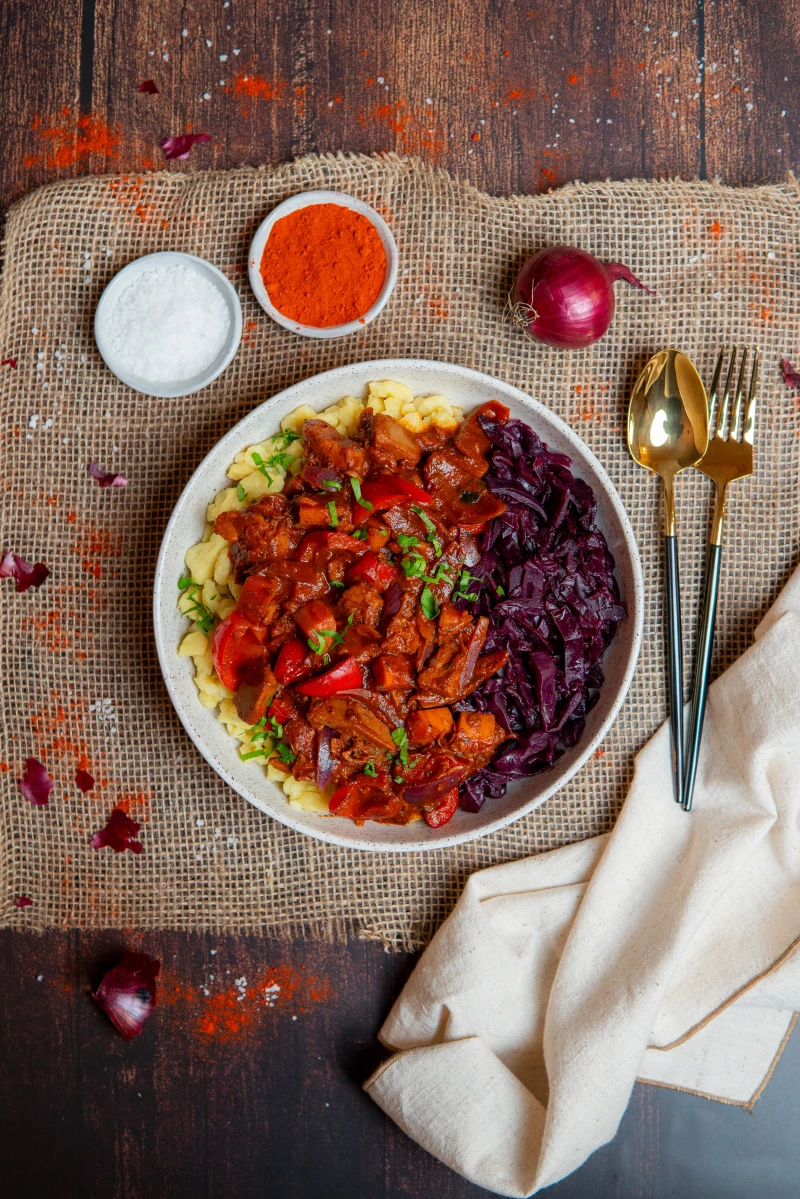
<point>565,297</point>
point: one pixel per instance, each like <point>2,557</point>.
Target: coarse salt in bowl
<point>304,200</point>
<point>168,324</point>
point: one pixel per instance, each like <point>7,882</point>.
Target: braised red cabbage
<point>546,581</point>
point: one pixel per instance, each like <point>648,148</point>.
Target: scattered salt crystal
<point>206,95</point>
<point>169,323</point>
<point>223,58</point>
<point>208,42</point>
<point>212,952</point>
<point>184,33</point>
<point>200,823</point>
<point>165,57</point>
<point>39,977</point>
<point>237,51</point>
<point>771,254</point>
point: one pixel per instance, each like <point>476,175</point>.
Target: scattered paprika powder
<point>323,265</point>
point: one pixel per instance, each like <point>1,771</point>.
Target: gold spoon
<point>668,431</point>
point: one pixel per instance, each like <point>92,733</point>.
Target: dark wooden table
<point>217,1098</point>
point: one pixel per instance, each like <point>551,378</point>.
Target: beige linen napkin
<point>667,950</point>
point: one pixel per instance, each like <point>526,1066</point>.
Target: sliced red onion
<point>791,377</point>
<point>148,87</point>
<point>434,789</point>
<point>127,993</point>
<point>36,783</point>
<point>474,648</point>
<point>25,573</point>
<point>180,146</point>
<point>318,476</point>
<point>118,833</point>
<point>106,478</point>
<point>392,599</point>
<point>23,901</point>
<point>84,780</point>
<point>325,762</point>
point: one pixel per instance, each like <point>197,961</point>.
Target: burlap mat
<point>80,675</point>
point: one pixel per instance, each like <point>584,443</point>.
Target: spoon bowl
<point>668,431</point>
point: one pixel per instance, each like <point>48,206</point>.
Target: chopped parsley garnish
<point>284,753</point>
<point>407,541</point>
<point>359,534</point>
<point>254,753</point>
<point>356,485</point>
<point>370,771</point>
<point>262,466</point>
<point>331,485</point>
<point>414,565</point>
<point>203,617</point>
<point>401,741</point>
<point>333,514</point>
<point>280,748</point>
<point>241,494</point>
<point>283,440</point>
<point>429,606</point>
<point>464,580</point>
<point>318,643</point>
<point>501,591</point>
<point>431,527</point>
<point>336,583</point>
<point>259,731</point>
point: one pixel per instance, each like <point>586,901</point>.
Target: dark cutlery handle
<point>705,644</point>
<point>675,662</point>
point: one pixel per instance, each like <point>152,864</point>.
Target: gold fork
<point>729,456</point>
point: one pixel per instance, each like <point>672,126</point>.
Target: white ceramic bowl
<point>468,389</point>
<point>176,387</point>
<point>302,200</point>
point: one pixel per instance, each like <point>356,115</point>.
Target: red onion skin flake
<point>25,573</point>
<point>127,993</point>
<point>791,377</point>
<point>180,146</point>
<point>84,780</point>
<point>118,833</point>
<point>23,901</point>
<point>12,362</point>
<point>147,87</point>
<point>36,783</point>
<point>106,478</point>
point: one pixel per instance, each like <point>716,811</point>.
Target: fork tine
<point>736,419</point>
<point>750,418</point>
<point>722,419</point>
<point>712,395</point>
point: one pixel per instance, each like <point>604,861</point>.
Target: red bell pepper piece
<point>341,677</point>
<point>372,568</point>
<point>386,493</point>
<point>290,663</point>
<point>280,708</point>
<point>237,643</point>
<point>332,540</point>
<point>409,488</point>
<point>444,810</point>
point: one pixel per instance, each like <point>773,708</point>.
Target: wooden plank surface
<point>223,1095</point>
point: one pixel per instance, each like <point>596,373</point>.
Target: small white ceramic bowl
<point>303,200</point>
<point>468,389</point>
<point>177,387</point>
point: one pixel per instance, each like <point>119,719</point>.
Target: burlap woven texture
<point>81,680</point>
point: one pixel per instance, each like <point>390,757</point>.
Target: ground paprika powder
<point>323,265</point>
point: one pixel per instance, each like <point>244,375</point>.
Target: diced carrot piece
<point>393,672</point>
<point>478,727</point>
<point>452,621</point>
<point>424,727</point>
<point>315,615</point>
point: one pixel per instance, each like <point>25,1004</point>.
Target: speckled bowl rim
<point>468,388</point>
<point>181,387</point>
<point>293,204</point>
